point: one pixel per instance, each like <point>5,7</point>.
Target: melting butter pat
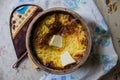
<point>56,41</point>
<point>66,59</point>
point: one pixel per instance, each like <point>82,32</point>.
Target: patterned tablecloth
<point>101,61</point>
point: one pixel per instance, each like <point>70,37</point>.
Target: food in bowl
<point>59,40</point>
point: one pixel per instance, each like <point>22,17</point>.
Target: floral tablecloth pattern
<point>105,57</point>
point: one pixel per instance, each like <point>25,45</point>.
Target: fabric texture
<point>103,56</point>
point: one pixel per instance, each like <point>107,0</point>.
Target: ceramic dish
<point>30,33</point>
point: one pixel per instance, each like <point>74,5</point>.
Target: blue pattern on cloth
<point>22,10</point>
<point>22,1</point>
<point>83,1</point>
<point>53,79</point>
<point>106,56</point>
<point>48,76</point>
<point>63,77</point>
<point>71,77</point>
<point>105,43</point>
<point>71,4</point>
<point>108,63</point>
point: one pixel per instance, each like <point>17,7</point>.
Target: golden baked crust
<point>74,39</point>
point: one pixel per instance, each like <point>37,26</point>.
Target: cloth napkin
<point>103,56</point>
